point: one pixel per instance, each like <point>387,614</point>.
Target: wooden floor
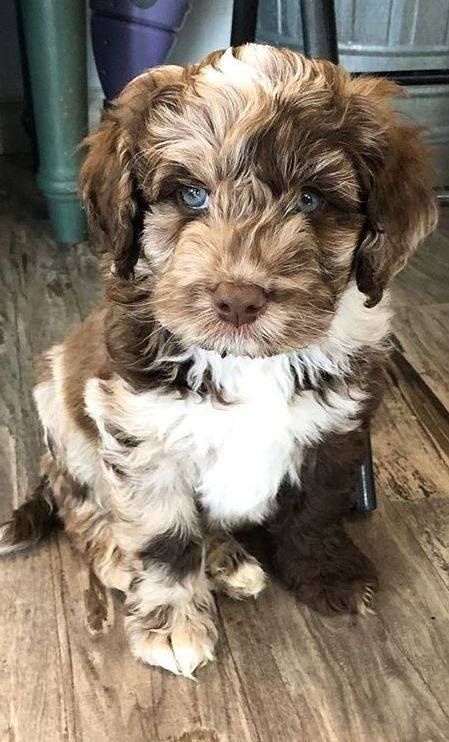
<point>283,674</point>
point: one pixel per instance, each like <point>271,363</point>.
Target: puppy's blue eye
<point>195,197</point>
<point>309,201</point>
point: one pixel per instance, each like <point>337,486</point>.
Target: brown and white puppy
<point>251,211</point>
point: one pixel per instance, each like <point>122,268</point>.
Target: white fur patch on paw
<point>247,581</point>
<point>180,651</point>
<point>191,649</point>
<point>155,650</point>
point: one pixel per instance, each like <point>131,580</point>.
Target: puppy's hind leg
<point>35,519</point>
<point>90,528</point>
<point>59,499</point>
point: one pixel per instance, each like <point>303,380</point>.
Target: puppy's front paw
<point>186,642</point>
<point>233,571</point>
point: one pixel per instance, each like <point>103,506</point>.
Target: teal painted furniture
<point>55,46</point>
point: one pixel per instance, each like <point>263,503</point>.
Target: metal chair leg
<point>319,29</point>
<point>244,21</point>
<point>366,490</point>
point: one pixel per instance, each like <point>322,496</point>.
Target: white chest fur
<point>245,448</point>
<point>235,456</point>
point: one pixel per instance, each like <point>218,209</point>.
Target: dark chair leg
<point>319,29</point>
<point>244,21</point>
<point>366,490</point>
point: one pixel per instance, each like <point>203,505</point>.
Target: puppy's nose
<point>239,304</point>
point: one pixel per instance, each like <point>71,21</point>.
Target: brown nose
<point>239,304</point>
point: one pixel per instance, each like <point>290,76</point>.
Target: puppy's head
<point>241,195</point>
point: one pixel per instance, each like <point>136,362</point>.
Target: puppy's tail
<point>31,522</point>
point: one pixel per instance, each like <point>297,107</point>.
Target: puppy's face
<point>255,214</point>
<point>240,196</point>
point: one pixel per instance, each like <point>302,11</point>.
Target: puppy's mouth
<point>240,340</point>
<point>234,332</point>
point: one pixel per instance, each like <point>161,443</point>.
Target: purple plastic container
<point>130,35</point>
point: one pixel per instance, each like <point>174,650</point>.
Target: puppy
<point>251,211</point>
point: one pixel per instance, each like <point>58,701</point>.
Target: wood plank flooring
<point>283,673</point>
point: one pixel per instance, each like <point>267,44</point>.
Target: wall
<point>207,27</point>
<point>12,136</point>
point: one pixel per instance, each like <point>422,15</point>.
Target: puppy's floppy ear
<point>400,202</point>
<point>108,184</point>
